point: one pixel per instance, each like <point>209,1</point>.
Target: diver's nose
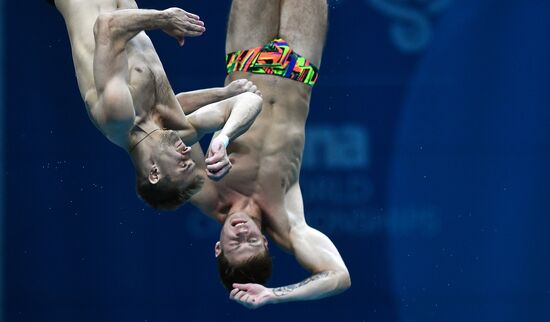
<point>242,232</point>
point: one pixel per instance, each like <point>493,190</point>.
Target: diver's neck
<point>143,127</point>
<point>143,138</point>
<point>250,207</point>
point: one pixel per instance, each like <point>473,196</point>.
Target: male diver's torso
<point>267,158</point>
<point>148,83</point>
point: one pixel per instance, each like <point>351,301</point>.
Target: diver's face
<point>240,238</point>
<point>173,158</point>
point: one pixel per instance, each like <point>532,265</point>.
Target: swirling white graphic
<point>411,29</point>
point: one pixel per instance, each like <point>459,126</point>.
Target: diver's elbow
<point>257,103</point>
<point>345,281</point>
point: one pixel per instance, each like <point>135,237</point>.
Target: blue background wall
<point>432,126</point>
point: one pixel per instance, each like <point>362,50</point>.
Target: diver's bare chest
<point>256,171</point>
<point>144,67</point>
<point>148,83</point>
<point>140,76</point>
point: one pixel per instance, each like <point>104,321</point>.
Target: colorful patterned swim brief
<point>275,58</point>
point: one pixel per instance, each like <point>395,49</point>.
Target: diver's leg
<point>303,24</point>
<point>252,24</point>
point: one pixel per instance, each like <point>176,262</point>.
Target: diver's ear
<point>218,249</point>
<point>154,174</point>
<point>265,242</point>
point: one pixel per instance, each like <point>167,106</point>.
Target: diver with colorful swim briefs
<point>276,44</point>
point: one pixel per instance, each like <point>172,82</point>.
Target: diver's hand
<point>181,24</point>
<point>217,161</point>
<point>251,296</point>
<point>239,86</point>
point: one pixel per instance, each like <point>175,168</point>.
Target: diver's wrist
<point>224,139</point>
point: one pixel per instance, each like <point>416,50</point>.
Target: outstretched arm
<point>191,101</point>
<point>124,24</point>
<point>314,251</point>
<point>232,116</point>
